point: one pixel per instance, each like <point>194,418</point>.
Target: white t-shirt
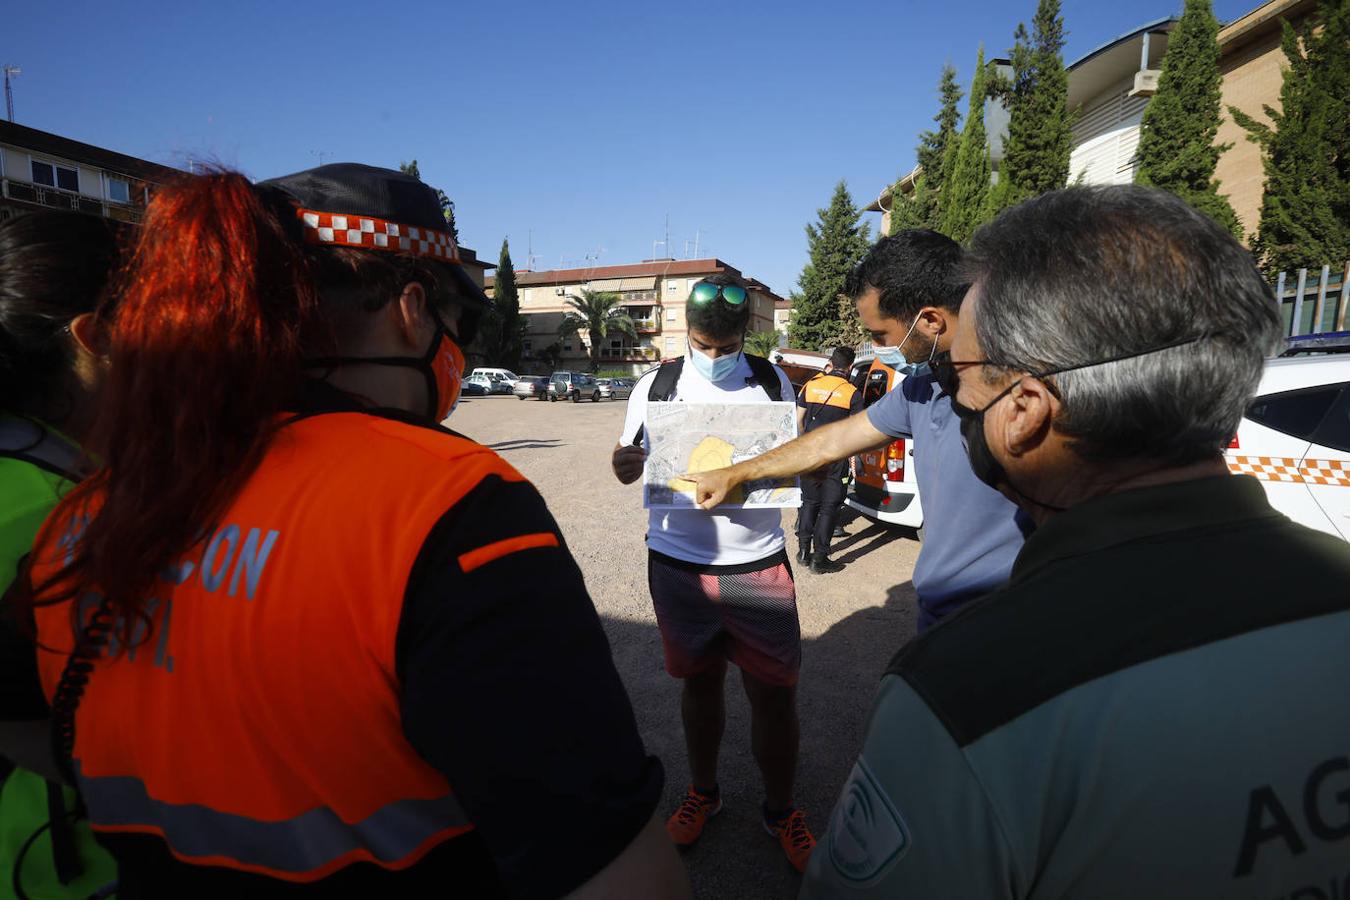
<point>736,536</point>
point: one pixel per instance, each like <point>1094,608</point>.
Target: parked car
<point>473,389</point>
<point>488,384</point>
<point>505,375</point>
<point>1295,436</point>
<point>614,388</point>
<point>527,386</point>
<point>884,487</point>
<point>574,386</point>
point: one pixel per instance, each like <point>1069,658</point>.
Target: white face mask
<point>895,357</point>
<point>714,369</point>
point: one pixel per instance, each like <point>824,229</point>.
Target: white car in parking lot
<point>1295,436</point>
<point>614,388</point>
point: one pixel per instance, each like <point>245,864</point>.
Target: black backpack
<point>762,373</point>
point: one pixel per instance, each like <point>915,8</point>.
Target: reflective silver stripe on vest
<point>298,845</point>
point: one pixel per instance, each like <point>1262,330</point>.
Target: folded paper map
<point>683,438</point>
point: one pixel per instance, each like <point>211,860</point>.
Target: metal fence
<point>1317,303</point>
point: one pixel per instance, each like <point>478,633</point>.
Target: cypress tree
<point>1040,132</point>
<point>907,211</point>
<point>501,331</point>
<point>506,303</point>
<point>1176,143</point>
<point>835,243</point>
<point>1305,212</point>
<point>846,329</point>
<point>447,205</point>
<point>965,201</point>
<point>920,209</point>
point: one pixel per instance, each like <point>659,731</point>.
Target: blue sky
<point>587,123</point>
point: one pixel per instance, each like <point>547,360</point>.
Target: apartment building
<point>40,170</point>
<point>782,315</point>
<point>653,293</point>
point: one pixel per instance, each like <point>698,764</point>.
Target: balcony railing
<point>57,198</point>
<point>647,326</point>
<point>627,354</point>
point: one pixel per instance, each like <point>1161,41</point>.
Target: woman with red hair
<point>307,640</point>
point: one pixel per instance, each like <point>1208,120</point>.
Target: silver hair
<point>1085,274</point>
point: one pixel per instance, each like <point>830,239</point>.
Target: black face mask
<point>442,366</point>
<point>983,463</point>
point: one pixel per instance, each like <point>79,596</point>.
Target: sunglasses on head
<point>704,292</point>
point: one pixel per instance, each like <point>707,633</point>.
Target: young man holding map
<point>720,580</point>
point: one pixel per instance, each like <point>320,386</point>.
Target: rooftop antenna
<point>529,254</point>
<point>10,72</point>
<point>668,234</point>
<point>320,154</point>
<point>698,233</point>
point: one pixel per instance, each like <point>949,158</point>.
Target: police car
<point>1295,436</point>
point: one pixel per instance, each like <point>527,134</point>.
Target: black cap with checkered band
<point>369,208</point>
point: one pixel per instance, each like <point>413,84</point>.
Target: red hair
<point>206,349</point>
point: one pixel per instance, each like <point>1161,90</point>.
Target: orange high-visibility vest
<point>257,727</point>
<point>828,390</point>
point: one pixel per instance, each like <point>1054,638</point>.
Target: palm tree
<point>761,343</point>
<point>597,313</point>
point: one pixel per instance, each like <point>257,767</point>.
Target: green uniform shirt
<point>32,481</point>
<point>1157,705</point>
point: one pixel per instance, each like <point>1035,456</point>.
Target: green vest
<point>37,466</point>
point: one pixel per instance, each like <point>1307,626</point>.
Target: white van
<point>499,375</point>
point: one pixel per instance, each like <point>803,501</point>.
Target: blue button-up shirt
<point>972,533</point>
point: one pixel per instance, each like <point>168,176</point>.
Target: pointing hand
<point>712,487</point>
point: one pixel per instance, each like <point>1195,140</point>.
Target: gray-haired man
<point>1155,705</point>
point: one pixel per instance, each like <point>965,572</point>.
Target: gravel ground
<point>852,623</point>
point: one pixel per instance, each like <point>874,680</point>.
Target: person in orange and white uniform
<point>825,398</point>
<point>299,639</point>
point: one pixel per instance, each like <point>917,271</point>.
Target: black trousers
<point>822,501</point>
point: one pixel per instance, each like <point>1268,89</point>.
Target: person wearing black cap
<point>298,650</point>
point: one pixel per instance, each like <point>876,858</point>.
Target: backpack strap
<point>765,375</point>
<point>661,390</point>
<point>762,373</point>
<point>667,377</point>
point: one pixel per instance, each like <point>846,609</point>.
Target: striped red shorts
<point>746,613</point>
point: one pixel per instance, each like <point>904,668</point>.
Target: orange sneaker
<point>694,811</point>
<point>794,837</point>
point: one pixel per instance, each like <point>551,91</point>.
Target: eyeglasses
<point>705,292</point>
<point>945,368</point>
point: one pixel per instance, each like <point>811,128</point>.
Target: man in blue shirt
<point>908,296</point>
